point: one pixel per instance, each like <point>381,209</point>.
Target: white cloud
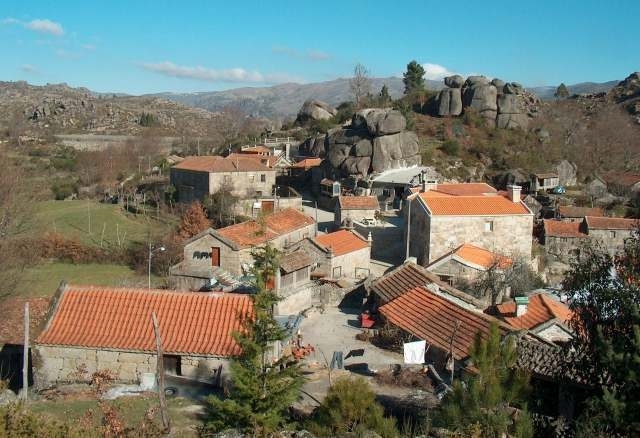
<point>28,68</point>
<point>200,73</point>
<point>38,25</point>
<point>45,26</point>
<point>436,72</point>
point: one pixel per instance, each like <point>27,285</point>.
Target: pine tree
<point>605,293</point>
<point>384,96</point>
<point>262,390</point>
<point>193,221</point>
<point>482,407</point>
<point>413,78</point>
<point>561,92</point>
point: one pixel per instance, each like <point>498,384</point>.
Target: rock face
<point>375,141</point>
<point>316,110</point>
<point>501,104</point>
<point>7,396</point>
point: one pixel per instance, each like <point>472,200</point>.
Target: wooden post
<point>25,355</point>
<point>160,375</point>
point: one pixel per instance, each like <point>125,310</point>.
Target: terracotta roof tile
<point>473,205</point>
<point>214,164</point>
<point>358,203</point>
<point>541,308</point>
<point>12,321</point>
<point>307,163</point>
<point>623,179</point>
<point>571,211</point>
<point>611,223</point>
<point>294,261</point>
<point>342,242</point>
<point>433,318</point>
<point>465,189</point>
<point>259,149</point>
<point>554,228</point>
<point>120,318</point>
<point>250,233</point>
<point>480,256</point>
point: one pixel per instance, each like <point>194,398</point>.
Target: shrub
<point>450,147</point>
<point>350,408</point>
<point>63,188</point>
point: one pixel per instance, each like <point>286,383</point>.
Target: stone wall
<point>55,364</point>
<point>355,215</point>
<point>613,240</point>
<point>190,185</point>
<point>244,184</point>
<point>349,262</point>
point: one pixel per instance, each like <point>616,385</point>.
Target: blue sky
<point>152,46</point>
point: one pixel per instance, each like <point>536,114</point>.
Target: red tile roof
<point>215,164</point>
<point>472,205</point>
<point>120,318</point>
<point>358,203</point>
<point>255,150</point>
<point>251,233</point>
<point>307,163</point>
<point>342,242</point>
<point>541,308</point>
<point>433,318</point>
<point>571,211</point>
<point>554,228</point>
<point>465,189</point>
<point>12,321</point>
<point>623,179</point>
<point>478,256</point>
<point>611,223</point>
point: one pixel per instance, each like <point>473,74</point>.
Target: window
<point>252,178</point>
<point>227,178</point>
<point>612,234</point>
<point>337,272</point>
<point>263,177</point>
<point>488,226</point>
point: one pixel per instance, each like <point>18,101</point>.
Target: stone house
<point>246,177</point>
<point>533,204</point>
<point>540,314</point>
<point>93,328</point>
<point>596,188</point>
<point>544,181</point>
<point>341,254</point>
<point>563,239</point>
<point>279,163</point>
<point>356,209</point>
<point>466,263</point>
<point>230,248</point>
<point>441,217</point>
<point>570,213</point>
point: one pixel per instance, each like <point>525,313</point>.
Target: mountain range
<point>284,100</point>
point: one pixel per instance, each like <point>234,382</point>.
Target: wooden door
<point>267,207</point>
<point>215,256</point>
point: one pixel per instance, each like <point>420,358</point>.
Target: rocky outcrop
<point>501,104</point>
<point>375,141</point>
<point>315,110</point>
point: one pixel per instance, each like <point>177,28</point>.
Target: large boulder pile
<point>505,105</point>
<point>375,141</point>
<point>315,110</point>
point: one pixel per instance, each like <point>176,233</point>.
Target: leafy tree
<point>562,92</point>
<point>193,221</point>
<point>605,293</point>
<point>262,389</point>
<point>360,84</point>
<point>413,78</point>
<point>220,206</point>
<point>506,273</point>
<point>483,405</point>
<point>350,407</point>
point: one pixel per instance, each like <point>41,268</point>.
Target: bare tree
<point>360,84</point>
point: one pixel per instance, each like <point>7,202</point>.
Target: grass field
<point>44,279</point>
<point>96,223</point>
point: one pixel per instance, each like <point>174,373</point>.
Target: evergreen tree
<point>413,78</point>
<point>605,292</point>
<point>561,92</point>
<point>262,389</point>
<point>481,407</point>
<point>384,96</point>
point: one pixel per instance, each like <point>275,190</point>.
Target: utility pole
<point>25,355</point>
<point>160,375</point>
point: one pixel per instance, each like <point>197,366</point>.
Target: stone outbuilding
<point>441,217</point>
<point>544,181</point>
<point>229,248</point>
<point>93,328</point>
<point>466,263</point>
<point>360,209</point>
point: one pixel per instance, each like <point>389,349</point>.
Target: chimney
<point>521,305</point>
<point>429,184</point>
<point>513,192</point>
<point>370,238</point>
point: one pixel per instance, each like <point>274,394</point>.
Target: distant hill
<point>547,92</point>
<point>283,101</point>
